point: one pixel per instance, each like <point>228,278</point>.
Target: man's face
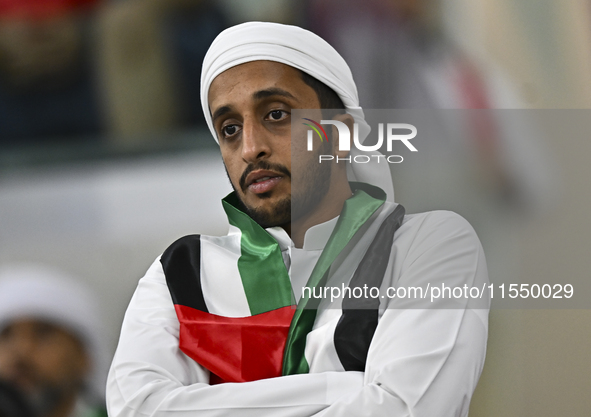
<point>251,108</point>
<point>45,361</point>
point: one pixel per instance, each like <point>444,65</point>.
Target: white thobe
<point>421,362</point>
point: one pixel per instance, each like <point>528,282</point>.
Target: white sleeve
<point>426,361</point>
<point>150,376</point>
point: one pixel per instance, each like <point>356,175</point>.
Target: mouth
<point>262,181</point>
<point>25,381</point>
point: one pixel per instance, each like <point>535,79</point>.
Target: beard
<point>279,215</point>
<point>46,398</point>
<point>41,397</point>
<point>310,182</point>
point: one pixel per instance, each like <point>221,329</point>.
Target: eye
<point>6,333</point>
<point>277,114</point>
<point>229,130</point>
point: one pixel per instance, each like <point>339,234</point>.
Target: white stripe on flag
<point>220,279</point>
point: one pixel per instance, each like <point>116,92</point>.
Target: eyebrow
<point>258,95</point>
<point>220,112</point>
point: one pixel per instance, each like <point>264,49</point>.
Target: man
<point>49,345</point>
<point>212,311</point>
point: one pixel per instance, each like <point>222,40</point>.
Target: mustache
<point>264,165</point>
<point>22,369</point>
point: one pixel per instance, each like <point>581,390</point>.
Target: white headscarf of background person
<point>41,292</point>
<point>306,51</point>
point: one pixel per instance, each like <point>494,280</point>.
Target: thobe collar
<point>315,238</point>
<point>302,260</point>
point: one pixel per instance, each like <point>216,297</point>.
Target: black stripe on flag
<point>181,262</point>
<point>359,320</point>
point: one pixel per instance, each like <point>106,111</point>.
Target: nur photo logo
<point>401,132</point>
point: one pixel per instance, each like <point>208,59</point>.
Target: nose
<point>255,141</point>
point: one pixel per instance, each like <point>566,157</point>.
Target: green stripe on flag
<point>356,211</point>
<point>262,270</point>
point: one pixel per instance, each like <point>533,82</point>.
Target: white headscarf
<point>301,49</point>
<point>40,292</point>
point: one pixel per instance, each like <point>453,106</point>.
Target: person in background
<point>50,346</point>
<point>403,56</point>
<point>47,85</point>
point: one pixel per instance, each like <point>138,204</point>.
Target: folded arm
<point>421,362</point>
<point>150,376</point>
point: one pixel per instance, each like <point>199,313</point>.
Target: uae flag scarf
<point>270,339</point>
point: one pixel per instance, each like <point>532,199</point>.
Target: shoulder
<point>438,219</point>
<point>434,227</point>
<point>441,245</point>
<point>187,257</point>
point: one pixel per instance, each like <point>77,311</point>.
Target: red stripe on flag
<point>235,349</point>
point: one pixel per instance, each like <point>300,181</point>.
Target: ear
<point>349,121</point>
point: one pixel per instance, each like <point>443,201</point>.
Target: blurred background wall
<point>105,159</point>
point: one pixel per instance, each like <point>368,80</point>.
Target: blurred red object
<point>40,9</point>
